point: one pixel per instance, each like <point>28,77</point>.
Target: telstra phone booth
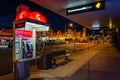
<point>24,42</point>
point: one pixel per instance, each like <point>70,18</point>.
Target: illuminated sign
<point>23,33</point>
<point>27,33</point>
<point>22,7</point>
<point>98,5</point>
<point>30,15</point>
<point>19,33</point>
<point>86,8</point>
<point>96,25</point>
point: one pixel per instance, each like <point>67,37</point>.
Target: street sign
<point>100,5</point>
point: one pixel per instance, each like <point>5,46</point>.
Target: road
<point>70,47</point>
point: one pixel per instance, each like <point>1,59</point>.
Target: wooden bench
<point>58,54</point>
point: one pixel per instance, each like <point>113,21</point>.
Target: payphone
<point>24,47</point>
<point>27,49</point>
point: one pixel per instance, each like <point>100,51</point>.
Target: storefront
<point>5,37</point>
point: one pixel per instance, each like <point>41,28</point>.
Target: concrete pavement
<point>78,60</point>
<point>105,65</point>
<point>101,62</point>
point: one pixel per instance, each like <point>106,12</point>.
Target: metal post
<point>34,41</point>
<point>103,35</point>
<point>89,73</point>
<point>73,28</point>
<point>65,34</point>
<point>65,31</point>
<point>74,40</point>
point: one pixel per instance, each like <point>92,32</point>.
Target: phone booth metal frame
<point>21,66</point>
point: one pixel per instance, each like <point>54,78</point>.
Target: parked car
<point>10,44</point>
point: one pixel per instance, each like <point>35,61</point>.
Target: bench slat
<point>58,55</point>
<point>61,56</point>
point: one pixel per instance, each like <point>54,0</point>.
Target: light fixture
<point>110,23</point>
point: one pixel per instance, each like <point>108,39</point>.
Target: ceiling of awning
<point>112,10</point>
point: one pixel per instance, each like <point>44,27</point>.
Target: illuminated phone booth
<point>24,43</point>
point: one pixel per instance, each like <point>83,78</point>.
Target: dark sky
<point>8,12</point>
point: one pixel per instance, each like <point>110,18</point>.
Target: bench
<point>58,54</point>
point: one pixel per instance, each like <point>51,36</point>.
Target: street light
<point>71,25</point>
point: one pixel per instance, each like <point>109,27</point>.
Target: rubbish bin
<point>45,61</point>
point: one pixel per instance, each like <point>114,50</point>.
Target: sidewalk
<point>65,70</point>
<point>77,61</point>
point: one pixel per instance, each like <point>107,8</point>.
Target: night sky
<point>8,13</point>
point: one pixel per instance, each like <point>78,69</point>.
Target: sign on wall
<point>86,8</point>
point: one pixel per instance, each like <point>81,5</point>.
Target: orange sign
<point>22,7</point>
<point>31,15</point>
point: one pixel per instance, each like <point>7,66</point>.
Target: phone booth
<point>24,43</point>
